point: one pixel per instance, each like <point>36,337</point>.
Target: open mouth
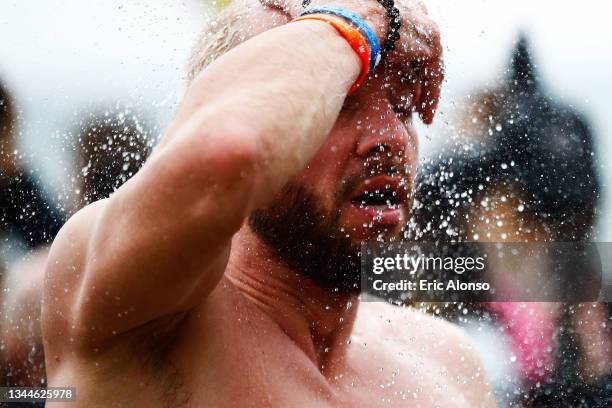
<point>383,198</point>
<point>380,199</point>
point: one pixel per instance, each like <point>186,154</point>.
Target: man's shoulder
<point>76,229</point>
<point>64,268</point>
<point>442,346</point>
<point>403,323</point>
<point>68,250</point>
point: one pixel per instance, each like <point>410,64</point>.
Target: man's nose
<point>383,131</point>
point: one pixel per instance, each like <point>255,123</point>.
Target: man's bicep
<point>160,243</point>
<point>91,299</point>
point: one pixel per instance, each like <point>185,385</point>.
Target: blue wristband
<point>358,22</point>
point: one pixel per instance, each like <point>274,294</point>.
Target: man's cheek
<point>322,175</point>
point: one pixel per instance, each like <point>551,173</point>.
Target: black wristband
<point>395,24</point>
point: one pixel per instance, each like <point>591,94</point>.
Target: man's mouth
<point>381,200</point>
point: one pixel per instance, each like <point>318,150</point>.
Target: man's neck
<point>317,320</point>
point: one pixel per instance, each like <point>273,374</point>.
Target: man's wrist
<point>370,11</point>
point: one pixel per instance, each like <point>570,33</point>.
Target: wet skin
<point>231,353</point>
<point>163,296</point>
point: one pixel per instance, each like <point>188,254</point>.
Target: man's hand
<point>420,47</point>
<point>418,50</point>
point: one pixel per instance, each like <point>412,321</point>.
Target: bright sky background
<point>63,56</point>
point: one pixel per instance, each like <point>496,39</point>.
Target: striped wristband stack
<point>355,31</point>
<point>395,24</point>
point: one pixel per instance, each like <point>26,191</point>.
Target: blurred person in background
<point>26,213</point>
<point>27,217</point>
<point>109,148</point>
<point>528,175</point>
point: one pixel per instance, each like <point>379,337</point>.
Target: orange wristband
<point>352,35</point>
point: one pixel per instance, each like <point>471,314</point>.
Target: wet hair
<point>218,37</point>
<point>228,27</point>
<point>7,114</point>
<point>110,148</point>
<point>540,149</point>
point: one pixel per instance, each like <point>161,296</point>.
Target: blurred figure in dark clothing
<point>528,174</point>
<point>28,215</point>
<point>25,212</point>
<point>522,141</point>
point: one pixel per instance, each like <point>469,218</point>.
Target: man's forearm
<point>288,85</point>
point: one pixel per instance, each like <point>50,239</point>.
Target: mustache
<point>387,168</point>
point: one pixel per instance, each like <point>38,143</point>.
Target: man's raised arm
<point>249,122</point>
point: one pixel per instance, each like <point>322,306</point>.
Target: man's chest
<point>254,364</point>
<point>226,360</point>
<point>292,382</point>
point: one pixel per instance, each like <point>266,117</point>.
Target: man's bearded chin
<point>308,239</point>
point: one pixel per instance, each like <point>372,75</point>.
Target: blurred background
<point>524,117</point>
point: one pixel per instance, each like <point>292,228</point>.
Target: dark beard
<point>309,240</point>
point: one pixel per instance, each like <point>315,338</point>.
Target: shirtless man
<point>225,273</point>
